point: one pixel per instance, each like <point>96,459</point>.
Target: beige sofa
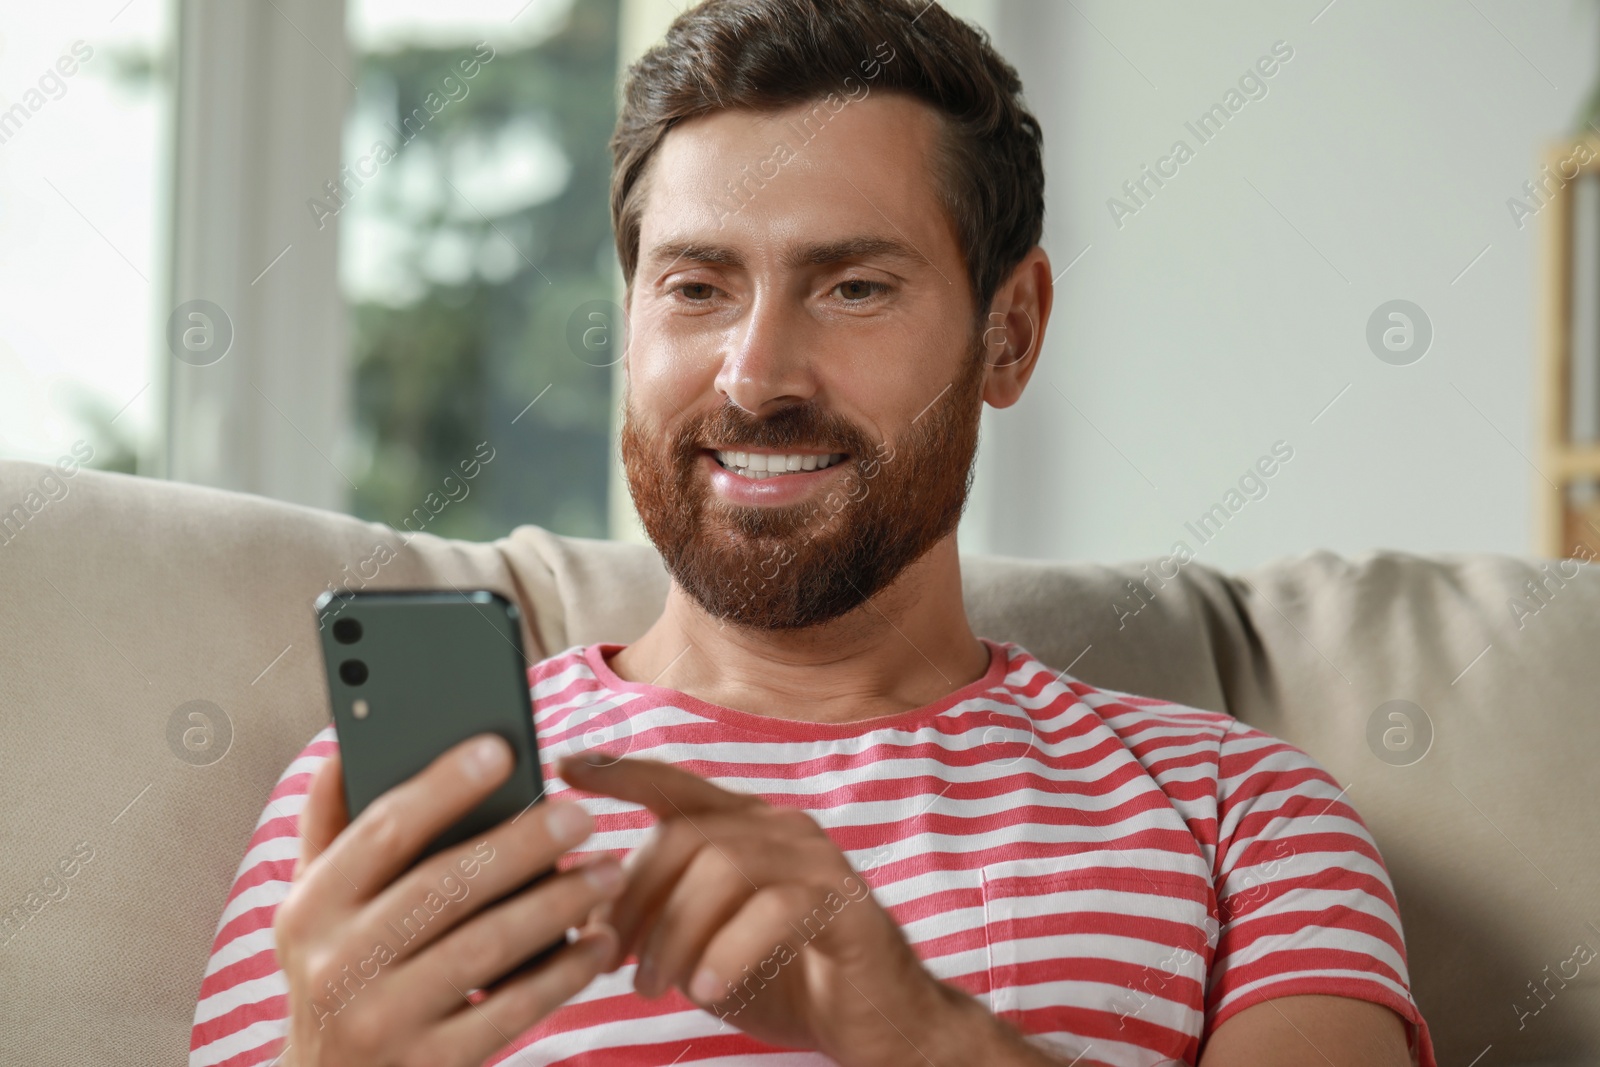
<point>125,600</point>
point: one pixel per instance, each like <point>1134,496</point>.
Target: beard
<point>797,566</point>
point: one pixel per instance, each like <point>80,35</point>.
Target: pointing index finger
<point>664,789</point>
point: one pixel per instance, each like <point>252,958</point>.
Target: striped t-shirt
<point>1114,875</point>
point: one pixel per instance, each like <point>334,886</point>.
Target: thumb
<point>324,816</point>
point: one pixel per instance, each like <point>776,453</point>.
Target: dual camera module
<point>348,632</point>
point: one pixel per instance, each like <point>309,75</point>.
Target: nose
<point>767,358</point>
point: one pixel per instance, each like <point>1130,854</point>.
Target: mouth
<point>759,466</point>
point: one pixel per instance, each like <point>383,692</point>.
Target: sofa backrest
<point>129,606</point>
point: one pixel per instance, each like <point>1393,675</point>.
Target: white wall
<point>1231,309</point>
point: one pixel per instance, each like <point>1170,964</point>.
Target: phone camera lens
<point>353,671</point>
<point>347,631</point>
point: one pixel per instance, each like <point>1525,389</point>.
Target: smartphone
<point>412,673</point>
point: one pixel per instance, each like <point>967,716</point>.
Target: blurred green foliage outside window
<point>481,236</point>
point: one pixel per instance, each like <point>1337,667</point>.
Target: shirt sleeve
<point>242,1014</point>
<point>1305,902</point>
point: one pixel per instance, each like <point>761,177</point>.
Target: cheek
<point>662,362</point>
<point>896,381</point>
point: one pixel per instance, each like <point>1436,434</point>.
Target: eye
<point>695,292</point>
<point>858,290</point>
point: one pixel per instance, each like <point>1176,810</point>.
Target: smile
<point>759,466</point>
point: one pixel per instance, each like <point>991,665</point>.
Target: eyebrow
<point>813,255</point>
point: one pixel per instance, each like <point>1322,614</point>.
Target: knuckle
<point>289,922</point>
<point>710,862</point>
<point>796,821</point>
<point>569,898</point>
<point>674,831</point>
<point>823,857</point>
<point>385,824</point>
<point>776,907</point>
<point>365,1033</point>
<point>322,973</point>
<point>674,837</point>
<point>481,944</point>
<point>551,985</point>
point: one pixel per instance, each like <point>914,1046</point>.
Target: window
<point>475,252</point>
<point>84,105</point>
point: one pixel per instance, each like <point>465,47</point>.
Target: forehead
<point>814,171</point>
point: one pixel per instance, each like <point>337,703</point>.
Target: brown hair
<point>764,55</point>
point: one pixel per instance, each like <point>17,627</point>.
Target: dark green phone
<point>412,673</point>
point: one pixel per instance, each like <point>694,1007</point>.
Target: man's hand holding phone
<point>381,956</point>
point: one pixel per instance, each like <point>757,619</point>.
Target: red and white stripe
<point>1114,875</point>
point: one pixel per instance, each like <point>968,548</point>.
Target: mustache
<point>803,425</point>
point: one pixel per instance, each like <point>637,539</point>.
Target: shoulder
<point>1223,775</point>
<point>1242,774</point>
<point>290,790</point>
<point>1259,771</point>
<point>1152,728</point>
<point>324,743</point>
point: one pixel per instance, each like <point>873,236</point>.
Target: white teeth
<point>761,465</point>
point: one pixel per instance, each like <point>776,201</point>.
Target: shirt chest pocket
<point>1104,961</point>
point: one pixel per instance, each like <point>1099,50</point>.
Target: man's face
<point>799,303</point>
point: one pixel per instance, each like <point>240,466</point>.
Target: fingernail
<point>567,823</point>
<point>604,874</point>
<point>706,987</point>
<point>486,757</point>
<point>644,979</point>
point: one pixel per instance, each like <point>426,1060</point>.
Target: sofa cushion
<point>159,667</point>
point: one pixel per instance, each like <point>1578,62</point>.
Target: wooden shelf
<point>1582,530</point>
<point>1565,529</point>
<point>1576,463</point>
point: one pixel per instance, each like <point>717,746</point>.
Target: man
<point>862,834</point>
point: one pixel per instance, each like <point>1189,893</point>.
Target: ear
<point>1015,331</point>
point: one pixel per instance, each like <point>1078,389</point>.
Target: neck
<point>905,648</point>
